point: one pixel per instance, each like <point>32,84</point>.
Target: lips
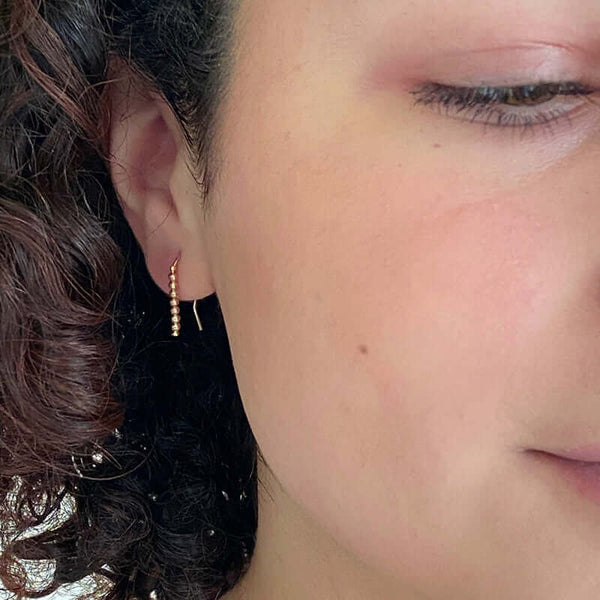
<point>578,468</point>
<point>589,453</point>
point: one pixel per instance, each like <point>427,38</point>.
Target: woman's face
<point>412,289</point>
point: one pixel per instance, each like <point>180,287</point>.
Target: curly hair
<point>143,435</point>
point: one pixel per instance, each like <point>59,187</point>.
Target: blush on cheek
<point>487,269</point>
<point>471,294</point>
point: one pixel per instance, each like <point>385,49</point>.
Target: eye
<point>522,106</point>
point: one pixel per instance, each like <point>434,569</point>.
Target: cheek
<point>431,306</point>
<point>457,303</point>
<point>379,320</point>
<point>353,309</point>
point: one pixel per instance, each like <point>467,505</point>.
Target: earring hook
<point>196,315</point>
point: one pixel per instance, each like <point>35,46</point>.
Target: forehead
<point>405,23</point>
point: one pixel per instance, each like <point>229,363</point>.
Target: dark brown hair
<point>143,434</point>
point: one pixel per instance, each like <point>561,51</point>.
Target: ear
<point>158,194</point>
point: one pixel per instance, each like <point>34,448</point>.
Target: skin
<point>412,299</point>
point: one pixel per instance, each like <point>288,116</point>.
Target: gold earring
<point>174,302</point>
<point>175,318</point>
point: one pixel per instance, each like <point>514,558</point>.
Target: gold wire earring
<point>174,302</point>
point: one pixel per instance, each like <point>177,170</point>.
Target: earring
<point>174,302</point>
<point>175,318</point>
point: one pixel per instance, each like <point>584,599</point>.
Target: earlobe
<point>146,152</point>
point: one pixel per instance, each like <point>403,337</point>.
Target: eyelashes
<point>524,106</point>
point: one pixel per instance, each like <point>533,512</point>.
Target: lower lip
<point>584,476</point>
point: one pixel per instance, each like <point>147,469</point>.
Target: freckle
<point>363,349</point>
<point>437,145</point>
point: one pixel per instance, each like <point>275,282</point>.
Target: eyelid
<point>508,65</point>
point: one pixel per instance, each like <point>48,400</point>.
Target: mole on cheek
<point>363,349</point>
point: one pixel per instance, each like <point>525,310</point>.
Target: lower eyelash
<point>499,118</point>
<point>483,104</point>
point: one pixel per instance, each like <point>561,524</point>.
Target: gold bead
<point>175,318</point>
<point>175,333</point>
<point>173,294</point>
<point>172,277</point>
<point>173,302</point>
<point>174,310</point>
